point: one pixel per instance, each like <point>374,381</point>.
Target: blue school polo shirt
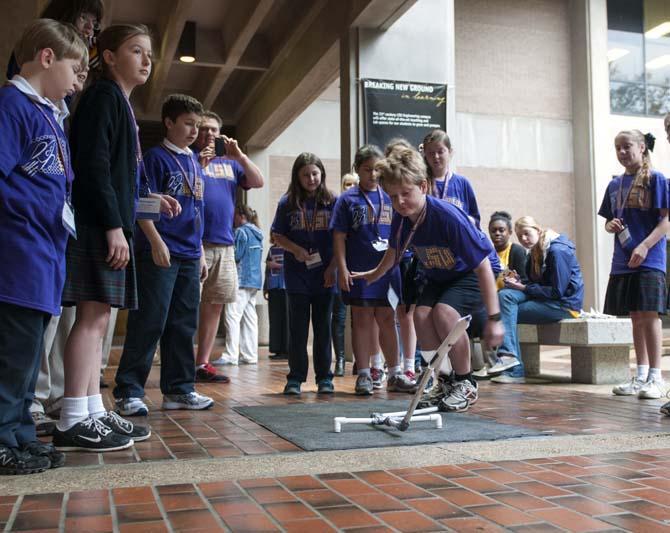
<point>461,194</point>
<point>447,243</point>
<point>290,222</point>
<point>33,175</point>
<point>363,224</point>
<point>164,170</point>
<point>221,177</point>
<point>641,215</point>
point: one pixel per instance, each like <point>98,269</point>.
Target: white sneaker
<point>505,362</point>
<point>224,360</point>
<point>630,388</point>
<point>245,361</point>
<point>506,378</point>
<point>131,407</point>
<point>482,373</point>
<point>378,377</point>
<point>652,390</point>
<point>191,401</point>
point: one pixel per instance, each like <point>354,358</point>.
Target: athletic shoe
<point>401,383</point>
<point>630,388</point>
<point>245,361</point>
<point>507,378</point>
<point>364,385</point>
<point>278,357</point>
<point>208,374</point>
<point>125,427</point>
<point>378,377</point>
<point>292,388</point>
<point>504,362</point>
<point>325,386</point>
<point>131,407</point>
<point>410,375</point>
<point>482,373</point>
<point>90,435</point>
<point>42,449</point>
<point>652,390</point>
<point>191,401</point>
<point>437,392</point>
<point>16,462</point>
<point>463,395</point>
<point>225,360</point>
<point>44,425</point>
<point>665,409</point>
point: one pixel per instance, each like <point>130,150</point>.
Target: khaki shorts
<point>220,287</point>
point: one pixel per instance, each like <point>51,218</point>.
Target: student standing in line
<point>170,266</point>
<point>100,262</point>
<point>635,207</point>
<point>274,291</point>
<point>460,265</point>
<point>444,184</point>
<point>301,227</point>
<point>35,183</point>
<point>361,227</point>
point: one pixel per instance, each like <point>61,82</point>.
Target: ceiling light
<point>616,53</point>
<point>658,62</point>
<point>658,31</point>
<point>186,46</point>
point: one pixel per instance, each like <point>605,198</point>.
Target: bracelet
<point>496,317</point>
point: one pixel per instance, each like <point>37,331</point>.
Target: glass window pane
<point>658,100</point>
<point>625,56</point>
<point>627,98</point>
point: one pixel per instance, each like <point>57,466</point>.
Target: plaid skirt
<point>89,277</point>
<point>639,291</point>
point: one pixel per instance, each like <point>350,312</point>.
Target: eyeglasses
<point>89,20</point>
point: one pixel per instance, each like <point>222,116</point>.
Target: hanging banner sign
<point>402,109</point>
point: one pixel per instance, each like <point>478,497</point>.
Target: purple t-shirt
<point>164,171</point>
<point>354,217</point>
<point>640,215</point>
<point>461,194</point>
<point>221,177</point>
<point>33,179</point>
<point>447,243</point>
<point>290,222</point>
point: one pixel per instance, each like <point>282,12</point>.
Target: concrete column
<point>592,143</point>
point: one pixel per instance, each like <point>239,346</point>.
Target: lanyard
<point>622,200</point>
<point>138,147</point>
<point>401,251</point>
<point>181,168</point>
<point>61,154</point>
<point>376,215</point>
<point>446,185</point>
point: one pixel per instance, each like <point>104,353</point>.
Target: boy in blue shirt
<point>35,184</point>
<point>170,265</point>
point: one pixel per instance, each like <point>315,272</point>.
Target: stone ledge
<point>579,332</point>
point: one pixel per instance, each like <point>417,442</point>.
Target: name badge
<point>149,208</point>
<point>624,237</point>
<point>313,260</point>
<point>381,245</point>
<point>392,298</point>
<point>68,219</point>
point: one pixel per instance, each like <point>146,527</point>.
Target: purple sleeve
<point>396,221</point>
<point>240,176</point>
<point>660,191</point>
<point>12,137</point>
<point>605,210</point>
<point>280,223</point>
<point>152,172</point>
<point>341,219</point>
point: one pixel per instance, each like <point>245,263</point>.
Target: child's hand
<point>300,254</point>
<point>345,281</point>
<point>160,254</point>
<point>614,226</point>
<point>493,333</point>
<point>638,256</point>
<point>203,269</point>
<point>118,251</point>
<point>329,275</point>
<point>169,205</point>
<point>370,276</point>
<point>512,283</point>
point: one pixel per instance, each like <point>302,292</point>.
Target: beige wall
<point>15,17</point>
<point>513,64</point>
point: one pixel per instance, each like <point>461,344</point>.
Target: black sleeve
<point>517,261</point>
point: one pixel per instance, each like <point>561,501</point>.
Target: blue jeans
<point>321,307</point>
<point>168,312</point>
<point>517,308</point>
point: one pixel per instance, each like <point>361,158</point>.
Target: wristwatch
<point>495,317</point>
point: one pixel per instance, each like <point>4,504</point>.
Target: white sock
<point>409,363</point>
<point>376,361</point>
<point>96,408</point>
<point>642,372</point>
<point>655,374</point>
<point>364,372</point>
<point>73,410</point>
<point>395,370</point>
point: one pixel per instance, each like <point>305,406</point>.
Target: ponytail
<point>250,214</point>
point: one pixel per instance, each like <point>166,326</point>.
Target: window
<point>638,53</point>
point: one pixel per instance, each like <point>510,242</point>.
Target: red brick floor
<point>627,491</point>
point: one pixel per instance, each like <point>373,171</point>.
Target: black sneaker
<point>90,435</point>
<point>42,449</point>
<point>16,462</point>
<point>125,427</point>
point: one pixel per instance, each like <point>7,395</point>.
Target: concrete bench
<point>599,348</point>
